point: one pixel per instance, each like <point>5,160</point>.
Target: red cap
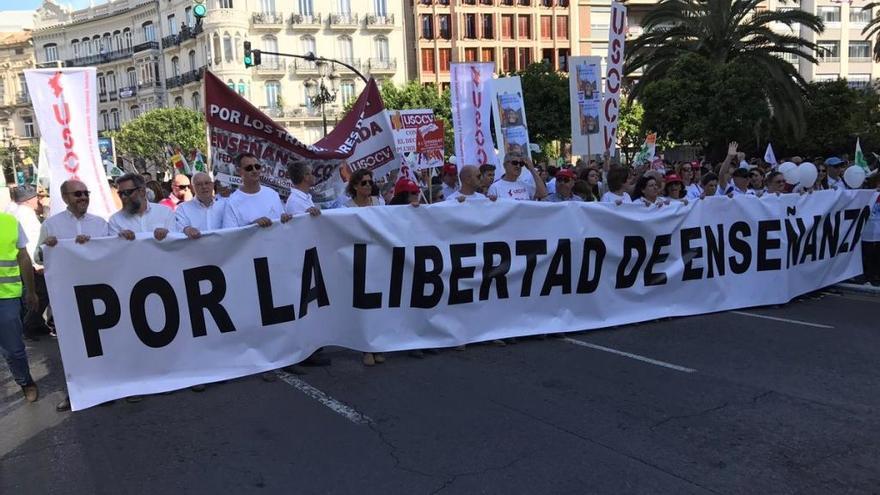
<point>450,168</point>
<point>566,172</point>
<point>672,178</point>
<point>406,185</point>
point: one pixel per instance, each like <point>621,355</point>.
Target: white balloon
<point>790,173</point>
<point>854,176</point>
<point>451,159</point>
<point>807,174</point>
<point>785,166</point>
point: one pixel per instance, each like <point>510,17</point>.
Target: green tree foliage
<point>630,130</point>
<point>706,104</point>
<point>727,34</point>
<point>147,136</point>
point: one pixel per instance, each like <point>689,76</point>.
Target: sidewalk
<point>864,289</point>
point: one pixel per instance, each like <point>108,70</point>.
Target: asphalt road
<point>722,403</point>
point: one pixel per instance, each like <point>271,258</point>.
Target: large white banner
<point>585,92</point>
<point>471,99</point>
<point>242,301</point>
<point>613,77</point>
<point>509,112</point>
<point>66,109</point>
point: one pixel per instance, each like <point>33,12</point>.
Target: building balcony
<point>193,76</point>
<point>112,96</point>
<point>354,62</point>
<point>305,67</point>
<point>147,45</point>
<point>148,85</point>
<point>54,64</point>
<point>306,22</point>
<point>169,41</point>
<point>102,96</point>
<point>272,67</point>
<point>101,58</point>
<point>22,98</point>
<point>128,92</point>
<point>344,22</point>
<point>382,65</point>
<point>275,112</point>
<point>173,82</point>
<point>380,22</point>
<point>269,21</point>
<point>189,33</point>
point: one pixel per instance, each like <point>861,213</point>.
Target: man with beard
<point>73,223</point>
<point>137,214</point>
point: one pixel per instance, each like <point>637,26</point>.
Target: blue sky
<point>34,4</point>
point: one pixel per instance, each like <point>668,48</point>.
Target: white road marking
<point>338,407</point>
<point>786,320</point>
<point>630,355</point>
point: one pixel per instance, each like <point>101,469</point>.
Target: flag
<point>179,162</point>
<point>647,151</point>
<point>769,156</point>
<point>198,162</point>
<point>860,157</point>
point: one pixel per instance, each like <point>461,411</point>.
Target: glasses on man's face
<point>124,193</point>
<point>251,168</point>
<point>79,194</point>
<point>517,163</point>
<point>182,186</point>
<point>367,182</point>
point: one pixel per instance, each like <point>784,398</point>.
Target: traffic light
<point>199,9</point>
<point>252,58</point>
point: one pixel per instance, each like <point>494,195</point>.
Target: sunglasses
<point>79,194</point>
<point>184,186</point>
<point>124,193</point>
<point>253,167</point>
<point>517,163</point>
<point>366,182</point>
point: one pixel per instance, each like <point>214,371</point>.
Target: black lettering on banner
<point>530,249</point>
<point>715,261</point>
<point>137,305</point>
<point>690,253</point>
<point>863,219</point>
<point>765,243</point>
<point>561,259</point>
<point>398,257</point>
<point>738,233</point>
<point>794,237</point>
<point>830,235</point>
<point>850,216</point>
<point>211,300</point>
<point>362,299</point>
<point>459,272</point>
<point>631,243</point>
<point>495,272</point>
<point>91,322</point>
<point>811,239</point>
<point>657,256</point>
<point>270,314</point>
<point>312,271</point>
<point>594,248</point>
<point>422,277</point>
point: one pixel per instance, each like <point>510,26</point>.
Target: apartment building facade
<point>17,123</point>
<point>511,33</point>
<point>152,54</point>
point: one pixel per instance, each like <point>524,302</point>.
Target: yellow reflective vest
<point>10,276</point>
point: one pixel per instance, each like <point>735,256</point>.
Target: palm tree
<point>872,28</point>
<point>724,31</point>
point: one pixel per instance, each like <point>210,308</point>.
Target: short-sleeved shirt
<point>194,213</point>
<point>556,198</point>
<point>467,197</point>
<point>836,183</point>
<point>516,190</point>
<point>245,208</point>
<point>298,202</point>
<point>66,225</point>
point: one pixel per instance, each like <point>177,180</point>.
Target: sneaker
<point>198,388</point>
<point>295,369</point>
<point>380,358</point>
<point>63,405</point>
<point>31,392</point>
<point>369,359</point>
<point>268,376</point>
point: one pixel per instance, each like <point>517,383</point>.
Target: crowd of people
<point>198,204</point>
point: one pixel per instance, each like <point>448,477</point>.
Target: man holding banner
<point>510,187</point>
<point>137,214</point>
<point>251,203</point>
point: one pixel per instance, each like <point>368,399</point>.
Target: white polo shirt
<point>155,217</point>
<point>194,213</point>
<point>298,202</point>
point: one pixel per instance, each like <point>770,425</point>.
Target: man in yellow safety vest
<point>15,265</point>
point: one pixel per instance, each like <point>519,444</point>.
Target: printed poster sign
<point>585,90</point>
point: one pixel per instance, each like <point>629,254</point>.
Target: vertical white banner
<point>65,105</point>
<point>471,97</point>
<point>585,91</point>
<point>509,112</point>
<point>613,77</point>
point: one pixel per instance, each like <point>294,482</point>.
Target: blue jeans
<point>11,343</point>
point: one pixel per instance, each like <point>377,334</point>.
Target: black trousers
<point>871,261</point>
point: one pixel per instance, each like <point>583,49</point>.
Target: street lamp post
<point>319,93</point>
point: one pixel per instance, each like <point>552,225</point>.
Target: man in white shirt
<point>511,187</point>
<point>202,213</point>
<point>252,203</point>
<point>137,214</point>
<point>470,182</point>
<point>739,184</point>
<point>73,223</point>
<point>300,200</point>
<point>835,167</point>
<point>487,177</point>
<point>449,178</point>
